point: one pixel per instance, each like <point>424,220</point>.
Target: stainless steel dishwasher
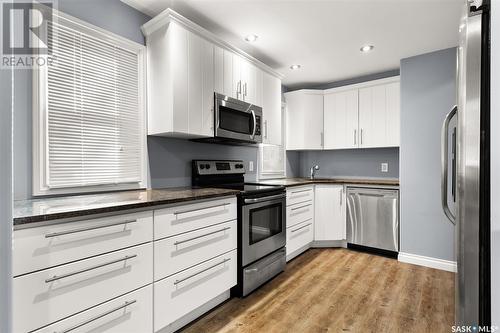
<point>373,217</point>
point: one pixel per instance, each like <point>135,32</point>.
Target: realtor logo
<point>26,27</point>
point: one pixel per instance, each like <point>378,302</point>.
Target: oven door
<point>237,120</point>
<point>263,227</point>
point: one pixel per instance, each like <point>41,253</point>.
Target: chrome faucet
<point>313,170</point>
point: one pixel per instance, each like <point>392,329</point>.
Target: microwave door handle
<point>254,123</point>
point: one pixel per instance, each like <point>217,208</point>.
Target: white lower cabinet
<point>299,236</point>
<point>176,253</point>
<point>329,216</point>
<point>50,295</point>
<point>179,294</point>
<point>131,313</point>
<point>299,219</point>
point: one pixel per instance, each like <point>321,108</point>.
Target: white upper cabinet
<point>181,83</point>
<point>329,213</point>
<point>271,106</point>
<point>379,116</point>
<point>186,65</point>
<point>341,120</point>
<point>304,120</point>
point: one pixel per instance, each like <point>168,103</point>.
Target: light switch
<point>384,167</point>
<point>250,166</point>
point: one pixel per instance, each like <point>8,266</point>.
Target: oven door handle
<point>272,197</point>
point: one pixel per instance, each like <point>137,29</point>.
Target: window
<point>89,124</point>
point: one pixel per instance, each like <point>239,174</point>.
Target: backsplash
<point>170,159</point>
<point>351,162</point>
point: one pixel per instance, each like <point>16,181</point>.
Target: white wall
<point>495,162</point>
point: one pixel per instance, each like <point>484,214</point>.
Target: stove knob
<point>207,166</point>
<point>202,166</point>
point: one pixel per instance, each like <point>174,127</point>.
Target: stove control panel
<point>207,167</point>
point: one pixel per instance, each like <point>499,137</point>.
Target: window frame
<point>40,114</point>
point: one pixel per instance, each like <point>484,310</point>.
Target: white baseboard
<point>445,265</point>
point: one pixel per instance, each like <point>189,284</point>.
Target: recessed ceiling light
<point>251,38</point>
<point>366,48</point>
<point>294,67</point>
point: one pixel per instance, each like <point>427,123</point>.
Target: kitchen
<point>175,171</point>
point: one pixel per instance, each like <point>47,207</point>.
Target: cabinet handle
<point>304,206</point>
<point>201,236</point>
<point>355,132</point>
<point>199,209</point>
<point>198,273</point>
<point>322,139</point>
<point>340,198</point>
<point>74,231</point>
<point>63,276</point>
<point>361,136</point>
<point>238,89</point>
<point>245,89</point>
<point>265,128</point>
<point>301,191</point>
<point>302,227</point>
<point>88,321</point>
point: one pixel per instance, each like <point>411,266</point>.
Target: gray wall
<point>428,92</point>
<point>112,15</point>
<point>170,159</point>
<point>495,163</point>
<point>351,162</point>
<point>5,199</point>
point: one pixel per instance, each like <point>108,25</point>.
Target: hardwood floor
<point>339,290</point>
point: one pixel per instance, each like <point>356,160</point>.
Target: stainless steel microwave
<point>236,120</point>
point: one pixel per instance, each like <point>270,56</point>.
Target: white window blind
<point>94,127</point>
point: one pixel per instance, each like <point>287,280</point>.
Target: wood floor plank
<point>339,290</point>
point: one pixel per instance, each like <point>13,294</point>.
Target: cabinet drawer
<point>49,246</point>
<point>177,220</point>
<point>299,235</point>
<point>299,213</point>
<point>179,252</point>
<point>46,296</point>
<point>296,195</point>
<point>130,313</point>
<point>182,293</point>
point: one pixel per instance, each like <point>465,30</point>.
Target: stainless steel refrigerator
<point>465,167</point>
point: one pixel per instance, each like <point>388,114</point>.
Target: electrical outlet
<point>384,167</point>
<point>250,166</point>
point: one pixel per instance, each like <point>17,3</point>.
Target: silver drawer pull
<point>74,231</point>
<point>199,209</point>
<point>198,273</point>
<point>63,276</point>
<point>200,236</point>
<point>88,321</point>
<point>302,227</point>
<point>295,208</point>
<point>301,191</point>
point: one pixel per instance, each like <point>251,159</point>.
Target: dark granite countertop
<point>344,180</point>
<point>47,209</point>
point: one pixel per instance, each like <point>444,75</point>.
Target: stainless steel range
<point>261,221</point>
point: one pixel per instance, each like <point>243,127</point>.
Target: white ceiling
<point>324,36</point>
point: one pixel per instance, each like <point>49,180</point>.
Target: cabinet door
<point>329,213</point>
<point>372,117</point>
<point>393,114</point>
<point>271,106</point>
<point>229,86</point>
<point>236,74</point>
<point>259,89</point>
<point>304,120</point>
<point>218,70</point>
<point>341,120</point>
<point>208,75</point>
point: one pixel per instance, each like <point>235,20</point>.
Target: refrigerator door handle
<point>444,164</point>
